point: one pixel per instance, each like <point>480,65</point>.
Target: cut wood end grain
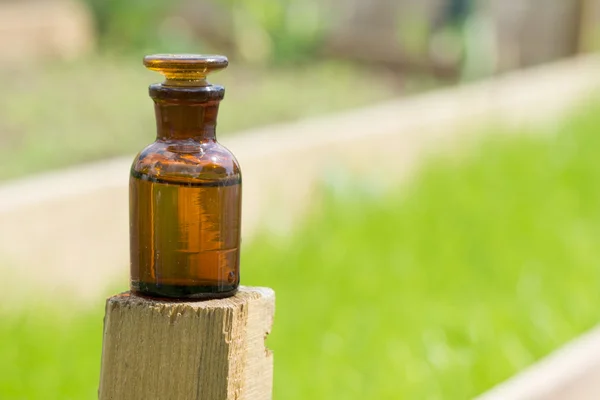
<point>161,349</point>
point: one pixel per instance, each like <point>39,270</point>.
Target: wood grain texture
<point>202,350</point>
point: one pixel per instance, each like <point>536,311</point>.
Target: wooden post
<point>200,350</point>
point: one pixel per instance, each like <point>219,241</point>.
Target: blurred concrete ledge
<point>570,373</point>
<point>68,230</point>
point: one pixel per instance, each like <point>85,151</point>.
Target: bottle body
<point>185,220</point>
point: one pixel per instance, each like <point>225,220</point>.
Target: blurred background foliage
<point>284,31</point>
<point>354,53</point>
<point>123,26</point>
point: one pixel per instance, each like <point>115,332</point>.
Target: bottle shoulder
<point>186,161</point>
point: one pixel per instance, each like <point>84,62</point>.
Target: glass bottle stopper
<point>185,69</point>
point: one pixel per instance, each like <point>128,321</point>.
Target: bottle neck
<point>181,121</point>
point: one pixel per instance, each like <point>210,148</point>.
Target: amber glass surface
<point>185,190</point>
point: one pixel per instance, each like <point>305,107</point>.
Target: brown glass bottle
<point>185,190</point>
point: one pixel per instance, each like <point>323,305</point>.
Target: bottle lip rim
<point>192,94</point>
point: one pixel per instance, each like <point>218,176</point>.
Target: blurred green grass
<point>48,355</point>
<point>438,290</point>
<point>68,113</point>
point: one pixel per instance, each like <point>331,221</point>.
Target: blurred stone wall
<point>408,34</point>
<point>37,30</point>
<point>589,39</point>
<point>384,31</point>
<point>531,32</point>
<point>521,32</point>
